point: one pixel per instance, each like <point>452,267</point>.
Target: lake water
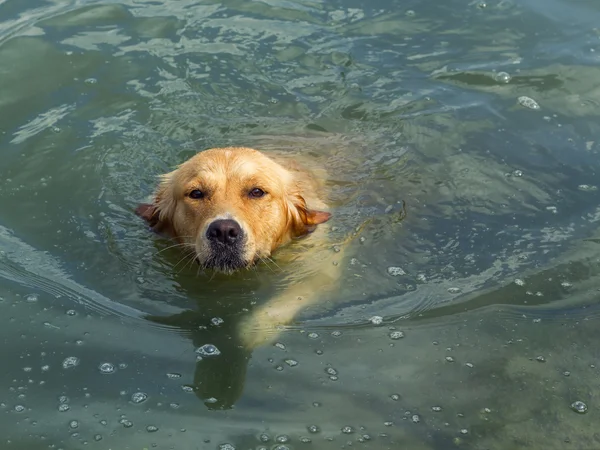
<point>462,139</point>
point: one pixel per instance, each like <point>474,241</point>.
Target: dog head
<point>233,205</point>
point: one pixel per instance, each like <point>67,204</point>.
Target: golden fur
<point>264,204</point>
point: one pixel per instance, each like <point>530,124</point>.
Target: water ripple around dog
<point>33,269</point>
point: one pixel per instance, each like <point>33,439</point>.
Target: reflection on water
<point>468,307</point>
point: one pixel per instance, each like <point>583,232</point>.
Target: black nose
<point>225,231</point>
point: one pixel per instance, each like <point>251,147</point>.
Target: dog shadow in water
<point>219,306</point>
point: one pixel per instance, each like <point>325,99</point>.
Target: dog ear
<point>304,220</point>
<point>158,213</point>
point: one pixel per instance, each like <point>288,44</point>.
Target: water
<point>458,184</point>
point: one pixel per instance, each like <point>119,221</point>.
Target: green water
<point>406,103</point>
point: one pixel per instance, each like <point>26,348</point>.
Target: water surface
<point>489,207</point>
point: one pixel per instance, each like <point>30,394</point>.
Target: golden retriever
<point>234,207</point>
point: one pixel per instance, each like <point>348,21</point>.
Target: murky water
<point>463,134</point>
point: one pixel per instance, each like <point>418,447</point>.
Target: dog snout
<point>224,231</point>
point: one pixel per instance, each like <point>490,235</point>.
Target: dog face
<point>233,206</point>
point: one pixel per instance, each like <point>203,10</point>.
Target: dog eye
<point>196,194</point>
<point>256,193</point>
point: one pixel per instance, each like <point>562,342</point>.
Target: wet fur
<point>291,208</point>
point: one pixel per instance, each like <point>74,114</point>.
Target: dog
<point>235,207</point>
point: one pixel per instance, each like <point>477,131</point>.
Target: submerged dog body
<point>235,206</point>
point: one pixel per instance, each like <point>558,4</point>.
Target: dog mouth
<point>224,259</point>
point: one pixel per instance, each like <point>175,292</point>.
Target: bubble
<point>73,424</point>
<point>436,408</point>
<point>98,437</point>
<point>211,400</point>
<point>31,298</point>
<point>305,440</point>
<point>566,373</point>
<point>347,430</point>
<point>469,365</point>
<point>291,362</point>
<point>106,368</point>
<point>208,350</point>
<point>566,284</point>
<point>454,290</point>
<point>226,447</point>
<point>151,429</point>
<point>395,335</point>
<point>376,320</point>
<point>395,397</point>
<point>464,431</point>
<point>313,429</point>
<point>502,77</point>
<point>27,369</point>
<point>331,371</point>
<point>449,359</point>
<point>64,407</point>
<point>173,376</point>
<point>126,423</point>
<point>63,399</point>
<point>19,408</point>
<point>540,359</point>
<point>282,439</point>
<point>519,282</point>
<point>91,81</point>
<point>579,407</point>
<point>280,346</point>
<point>122,366</point>
<point>313,335</point>
<point>264,437</point>
<point>517,173</point>
<point>187,388</point>
<point>139,397</point>
<point>71,312</point>
<point>336,333</point>
<point>395,271</point>
<point>71,361</point>
<point>216,321</point>
<point>528,102</point>
<point>415,418</point>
